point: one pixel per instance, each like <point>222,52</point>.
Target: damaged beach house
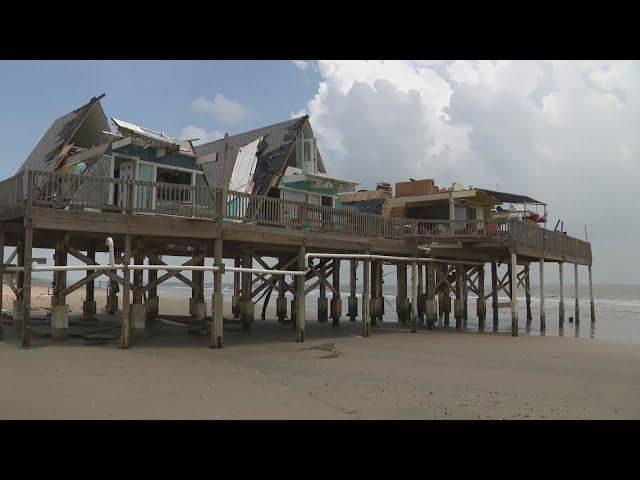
<point>264,200</point>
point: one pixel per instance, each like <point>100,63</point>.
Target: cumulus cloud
<point>220,108</point>
<point>191,131</point>
<point>301,64</point>
<point>564,132</point>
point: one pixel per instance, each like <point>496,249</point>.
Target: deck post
<point>199,309</point>
<point>152,302</point>
<point>353,299</point>
<point>543,321</point>
<point>281,302</point>
<point>1,277</point>
<point>577,304</point>
<point>482,303</point>
<point>336,301</point>
<point>217,302</point>
<point>235,299</point>
<point>323,314</point>
<point>89,304</point>
<point>465,297</point>
<point>381,291</point>
<point>494,296</point>
<point>514,294</point>
<point>18,303</point>
<point>527,287</point>
<point>591,300</point>
<point>126,307</point>
<point>402,302</point>
<point>366,320</point>
<point>138,313</point>
<point>446,297</point>
<point>431,307</point>
<point>59,307</point>
<point>246,304</point>
<point>373,300</point>
<point>26,307</point>
<point>458,313</point>
<point>422,298</point>
<point>561,305</point>
<point>300,297</point>
<point>414,296</point>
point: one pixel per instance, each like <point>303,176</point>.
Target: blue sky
<point>156,94</point>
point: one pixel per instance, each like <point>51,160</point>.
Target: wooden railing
<point>78,192</point>
<point>12,196</point>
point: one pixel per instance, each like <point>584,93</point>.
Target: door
<point>127,171</point>
<point>144,193</point>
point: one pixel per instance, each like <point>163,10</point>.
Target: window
<point>177,177</point>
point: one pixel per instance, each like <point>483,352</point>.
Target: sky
<point>564,132</point>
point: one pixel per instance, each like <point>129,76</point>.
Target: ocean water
<point>617,309</point>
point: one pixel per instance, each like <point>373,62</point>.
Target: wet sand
<point>266,375</point>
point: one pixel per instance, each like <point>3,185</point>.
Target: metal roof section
<point>505,197</point>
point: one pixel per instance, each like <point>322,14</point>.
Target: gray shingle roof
<point>273,152</point>
<point>59,133</point>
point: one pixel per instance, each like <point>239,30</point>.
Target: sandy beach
<point>264,374</point>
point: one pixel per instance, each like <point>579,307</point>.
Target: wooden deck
<point>94,205</point>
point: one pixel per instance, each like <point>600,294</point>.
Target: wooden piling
<point>514,294</point>
<point>336,301</point>
<point>527,288</point>
<point>235,300</point>
<point>482,304</point>
<point>366,320</point>
<point>414,296</point>
<point>126,307</point>
<point>300,297</point>
<point>577,304</point>
<point>353,299</point>
<point>246,304</point>
<point>421,294</point>
<point>431,306</point>
<point>591,300</point>
<point>465,297</point>
<point>561,305</point>
<point>542,310</point>
<point>217,319</point>
<point>457,307</point>
<point>323,313</point>
<point>494,295</point>
<point>402,301</point>
<point>1,277</point>
<point>26,308</point>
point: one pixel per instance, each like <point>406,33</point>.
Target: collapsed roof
<point>272,153</point>
<point>80,129</point>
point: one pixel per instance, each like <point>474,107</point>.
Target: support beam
<point>323,312</point>
<point>422,297</point>
<point>2,277</point>
<point>353,299</point>
<point>336,301</point>
<point>561,305</point>
<point>513,265</point>
<point>482,302</point>
<point>235,299</point>
<point>217,300</point>
<point>366,320</point>
<point>197,303</point>
<point>137,309</point>
<point>126,307</point>
<point>89,305</point>
<point>527,291</point>
<point>592,301</point>
<point>543,321</point>
<point>577,304</point>
<point>300,296</point>
<point>465,296</point>
<point>152,302</point>
<point>18,304</point>
<point>431,307</point>
<point>458,309</point>
<point>494,296</point>
<point>281,302</point>
<point>26,308</point>
<point>414,296</point>
<point>246,304</point>
<point>402,300</point>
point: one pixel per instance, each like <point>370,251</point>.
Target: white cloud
<point>301,64</point>
<point>222,109</point>
<point>190,132</point>
<point>562,131</point>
